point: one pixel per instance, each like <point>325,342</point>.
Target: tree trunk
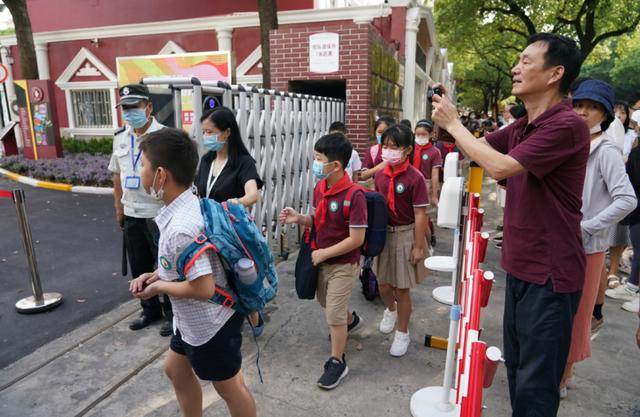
<point>267,10</point>
<point>24,36</point>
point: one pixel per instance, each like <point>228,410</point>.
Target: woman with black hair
<point>623,114</point>
<point>227,172</point>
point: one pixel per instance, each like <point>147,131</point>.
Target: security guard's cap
<point>132,94</point>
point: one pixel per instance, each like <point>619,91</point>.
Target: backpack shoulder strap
<point>346,205</point>
<point>191,253</point>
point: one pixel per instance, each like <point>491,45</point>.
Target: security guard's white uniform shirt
<point>137,203</point>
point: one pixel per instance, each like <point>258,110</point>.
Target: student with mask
<point>228,171</point>
<point>135,209</point>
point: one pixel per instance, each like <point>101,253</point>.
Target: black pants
<point>141,236</point>
<point>537,337</point>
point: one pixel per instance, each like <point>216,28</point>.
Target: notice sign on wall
<point>324,53</point>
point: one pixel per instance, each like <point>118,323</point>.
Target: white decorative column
<point>42,58</point>
<point>224,39</point>
<point>7,61</point>
<point>410,41</point>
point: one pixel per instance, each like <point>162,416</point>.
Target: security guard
<point>135,209</point>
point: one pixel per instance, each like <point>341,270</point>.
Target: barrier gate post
<point>39,301</point>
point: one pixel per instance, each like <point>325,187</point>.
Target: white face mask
<point>422,140</point>
<point>596,129</point>
<point>156,195</point>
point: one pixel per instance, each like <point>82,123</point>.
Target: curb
<point>80,189</point>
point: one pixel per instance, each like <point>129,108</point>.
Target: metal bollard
<point>39,301</point>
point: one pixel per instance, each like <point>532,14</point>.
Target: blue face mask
<point>378,138</point>
<point>212,143</point>
<point>318,170</point>
<point>136,118</point>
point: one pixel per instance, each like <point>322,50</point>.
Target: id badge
<point>132,183</point>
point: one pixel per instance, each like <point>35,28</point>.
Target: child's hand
<point>149,291</point>
<point>417,255</point>
<point>434,201</point>
<point>289,216</point>
<point>139,283</point>
<point>318,256</point>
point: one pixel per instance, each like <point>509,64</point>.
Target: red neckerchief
<point>391,193</point>
<point>343,183</point>
<point>417,153</point>
<point>449,146</point>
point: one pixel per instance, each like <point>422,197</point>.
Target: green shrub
<point>95,146</point>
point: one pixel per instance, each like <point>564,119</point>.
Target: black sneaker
<point>354,323</point>
<point>334,371</point>
<point>143,321</point>
<point>166,329</point>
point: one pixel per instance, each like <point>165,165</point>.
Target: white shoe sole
<point>330,387</point>
<point>621,297</point>
<point>627,307</point>
<point>399,355</point>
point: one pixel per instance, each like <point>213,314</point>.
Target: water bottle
<point>245,268</point>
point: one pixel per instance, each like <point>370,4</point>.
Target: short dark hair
<point>406,122</point>
<point>338,127</point>
<point>388,120</point>
<point>399,135</point>
<point>425,124</point>
<point>561,51</point>
<point>173,150</point>
<point>336,147</point>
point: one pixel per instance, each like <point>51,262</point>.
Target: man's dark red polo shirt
<point>542,237</point>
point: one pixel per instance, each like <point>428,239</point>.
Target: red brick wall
<point>290,61</point>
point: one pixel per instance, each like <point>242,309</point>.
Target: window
<point>91,108</point>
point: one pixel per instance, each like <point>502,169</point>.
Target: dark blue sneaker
<point>354,323</point>
<point>334,371</point>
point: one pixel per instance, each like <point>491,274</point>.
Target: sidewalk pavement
<point>104,369</point>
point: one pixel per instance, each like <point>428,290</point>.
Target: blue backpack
<point>231,233</point>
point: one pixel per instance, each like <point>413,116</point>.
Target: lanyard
<point>134,160</point>
<point>211,180</point>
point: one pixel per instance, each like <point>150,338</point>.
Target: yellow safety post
<point>474,184</point>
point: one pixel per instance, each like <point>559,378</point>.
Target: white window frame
<point>64,83</point>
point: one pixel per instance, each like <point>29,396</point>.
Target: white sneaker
<point>632,306</point>
<point>625,292</point>
<point>563,393</point>
<point>400,344</point>
<point>388,322</point>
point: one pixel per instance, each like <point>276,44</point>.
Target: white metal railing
<point>279,129</point>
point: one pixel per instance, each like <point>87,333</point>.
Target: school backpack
<point>377,212</point>
<point>375,237</point>
<point>230,232</point>
<point>369,280</point>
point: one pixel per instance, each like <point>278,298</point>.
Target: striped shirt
<point>180,223</point>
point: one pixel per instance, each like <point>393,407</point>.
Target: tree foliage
<point>484,37</point>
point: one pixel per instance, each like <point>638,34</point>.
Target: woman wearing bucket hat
<point>607,197</point>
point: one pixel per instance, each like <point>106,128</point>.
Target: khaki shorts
<point>335,282</point>
<point>393,266</point>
